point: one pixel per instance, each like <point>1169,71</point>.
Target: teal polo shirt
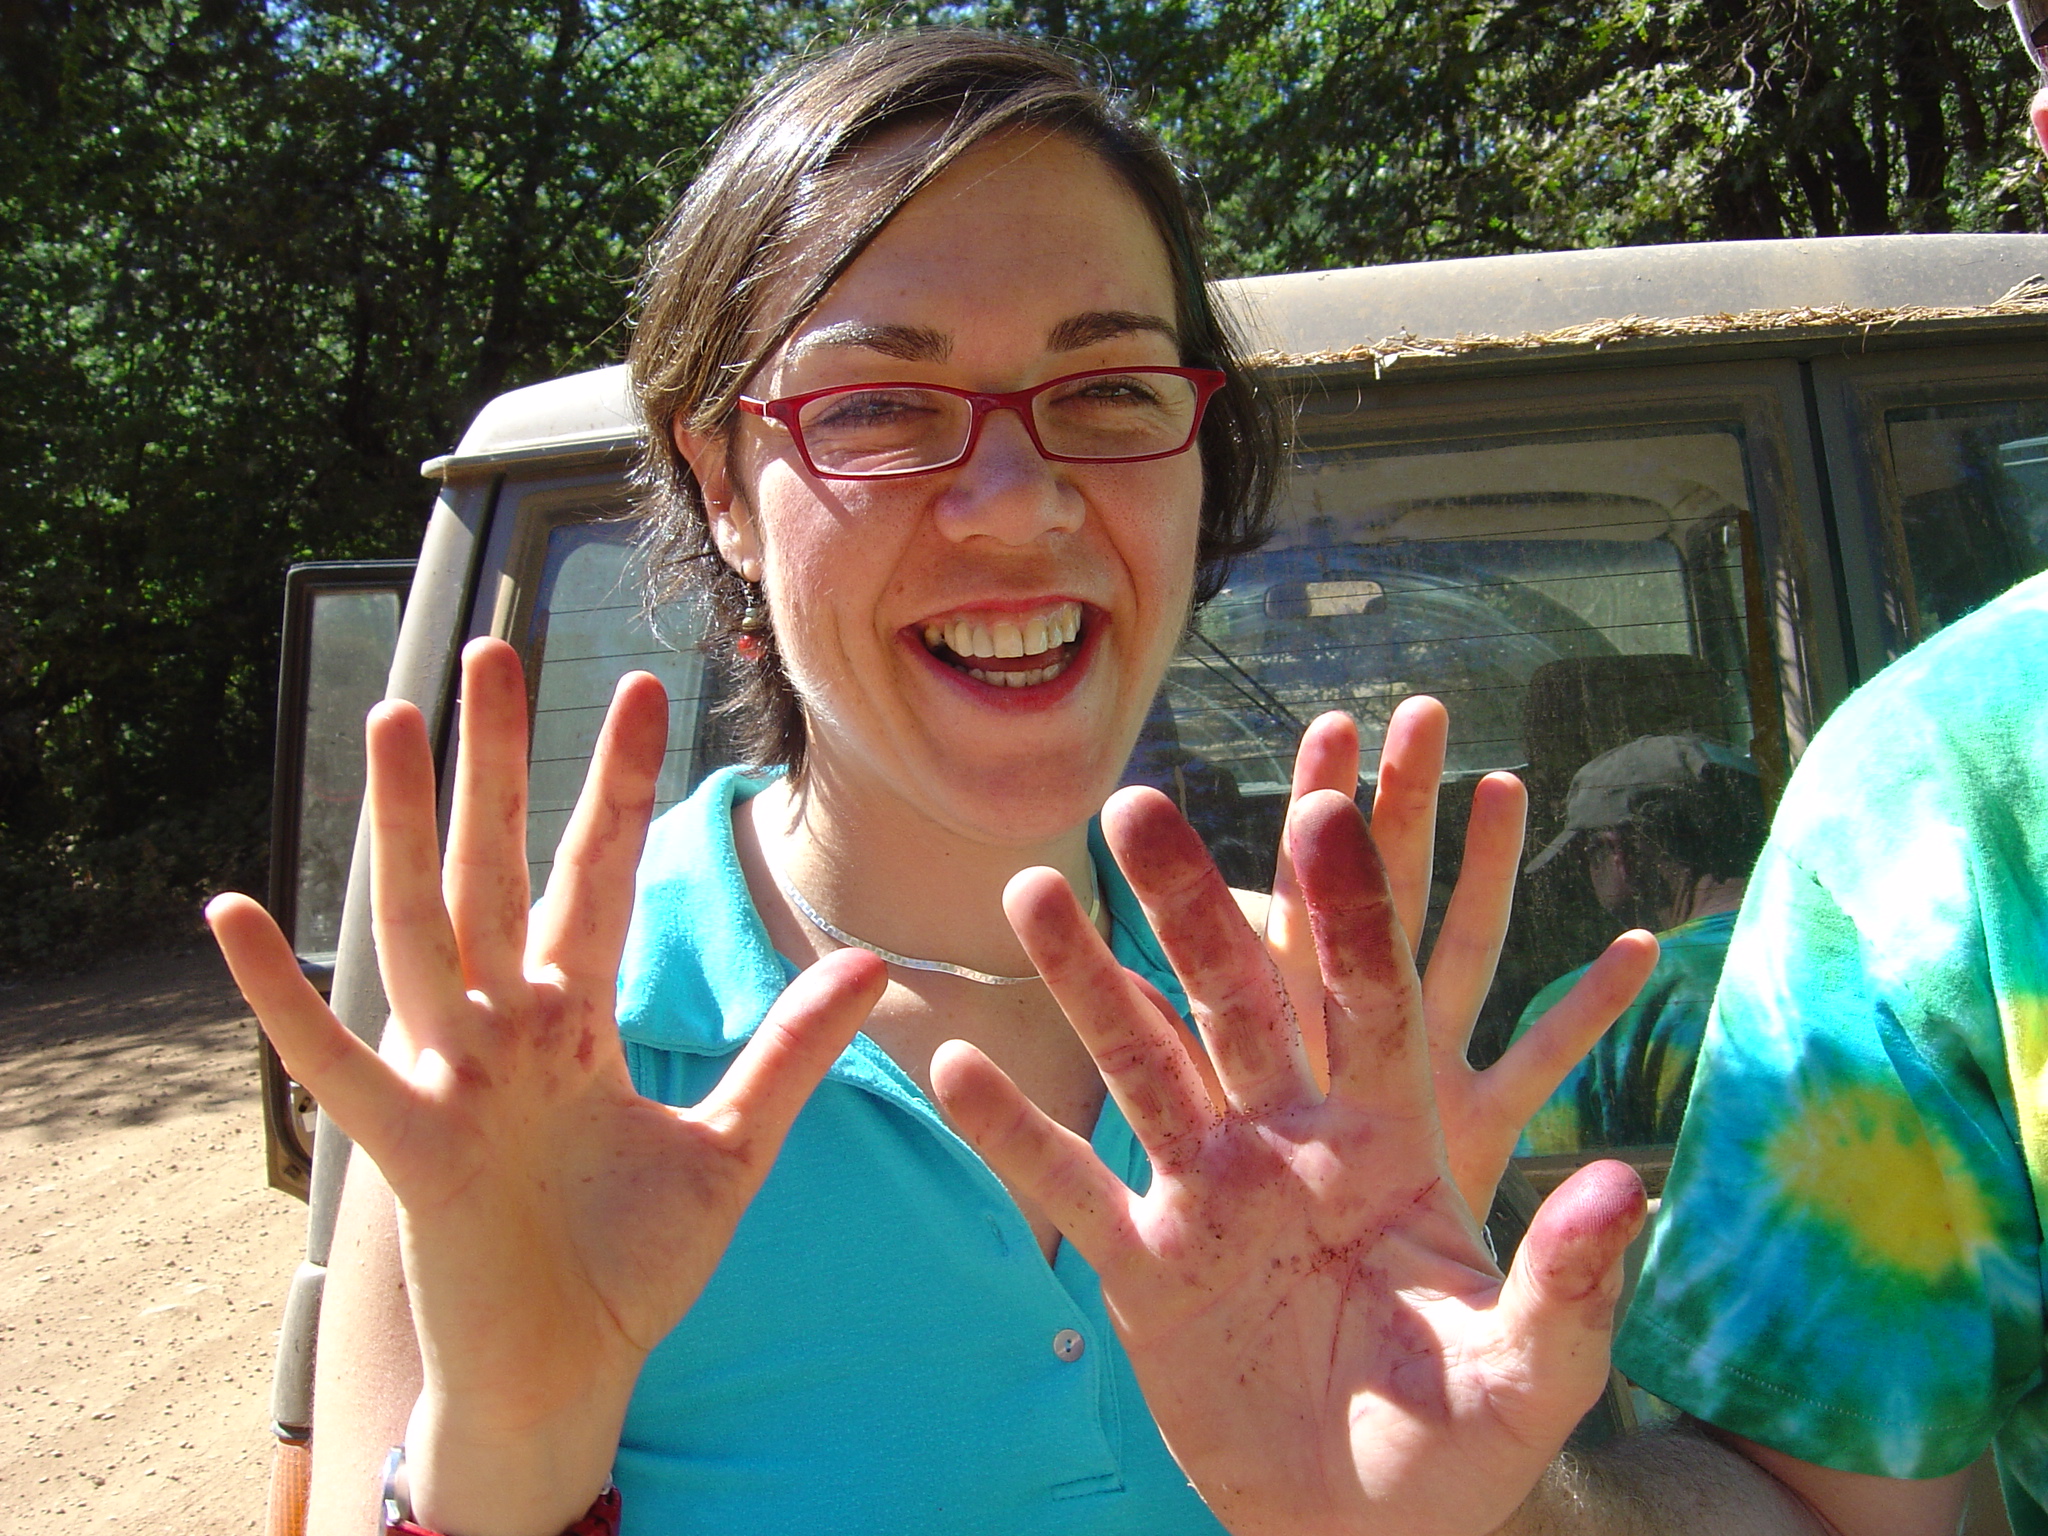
<point>876,1352</point>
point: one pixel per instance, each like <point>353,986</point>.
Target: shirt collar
<point>699,972</point>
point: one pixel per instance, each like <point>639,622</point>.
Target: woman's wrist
<point>603,1518</point>
<point>469,1477</point>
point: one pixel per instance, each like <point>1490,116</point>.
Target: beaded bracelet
<point>602,1518</point>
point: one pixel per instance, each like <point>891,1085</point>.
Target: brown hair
<point>782,209</point>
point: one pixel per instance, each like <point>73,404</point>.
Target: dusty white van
<point>1582,497</point>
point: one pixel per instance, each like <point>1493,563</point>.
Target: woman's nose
<point>1005,490</point>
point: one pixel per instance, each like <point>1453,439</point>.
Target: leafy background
<point>257,260</point>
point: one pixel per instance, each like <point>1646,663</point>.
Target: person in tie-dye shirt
<point>1668,827</point>
<point>1846,1283</point>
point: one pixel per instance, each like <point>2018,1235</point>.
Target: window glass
<point>1580,604</point>
<point>352,637</point>
<point>588,632</point>
<point>1973,500</point>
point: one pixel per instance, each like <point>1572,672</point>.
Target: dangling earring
<point>752,643</point>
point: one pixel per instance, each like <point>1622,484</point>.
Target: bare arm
<point>1675,1482</point>
<point>501,1112</point>
<point>1859,1505</point>
<point>367,1371</point>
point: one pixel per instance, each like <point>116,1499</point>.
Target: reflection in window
<point>1567,597</point>
<point>1973,500</point>
<point>352,636</point>
<point>588,632</point>
<point>1666,829</point>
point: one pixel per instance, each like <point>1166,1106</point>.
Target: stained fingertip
<point>1333,852</point>
<point>1047,918</point>
<point>1581,1232</point>
<point>817,1015</point>
<point>1152,841</point>
<point>1137,805</point>
<point>638,719</point>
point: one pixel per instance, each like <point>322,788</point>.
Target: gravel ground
<point>143,1259</point>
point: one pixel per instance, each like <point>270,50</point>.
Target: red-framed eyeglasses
<point>1102,416</point>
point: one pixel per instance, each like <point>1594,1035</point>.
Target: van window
<point>587,633</point>
<point>1583,605</point>
<point>1973,500</point>
<point>352,635</point>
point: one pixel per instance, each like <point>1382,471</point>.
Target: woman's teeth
<point>965,640</point>
<point>1007,638</point>
<point>1018,679</point>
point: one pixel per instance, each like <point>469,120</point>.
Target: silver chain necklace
<point>909,962</point>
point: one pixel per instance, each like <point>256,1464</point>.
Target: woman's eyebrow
<point>1084,330</point>
<point>905,343</point>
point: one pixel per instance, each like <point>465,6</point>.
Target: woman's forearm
<point>467,1475</point>
<point>367,1372</point>
<point>1661,1483</point>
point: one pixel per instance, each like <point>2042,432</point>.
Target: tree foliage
<point>256,262</point>
<point>258,258</point>
<point>1399,130</point>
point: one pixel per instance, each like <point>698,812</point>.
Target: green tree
<point>256,261</point>
<point>1342,132</point>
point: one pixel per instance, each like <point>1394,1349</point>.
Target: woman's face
<point>1026,261</point>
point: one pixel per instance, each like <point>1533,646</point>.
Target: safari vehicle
<point>1581,497</point>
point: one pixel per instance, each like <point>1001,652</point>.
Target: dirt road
<point>143,1261</point>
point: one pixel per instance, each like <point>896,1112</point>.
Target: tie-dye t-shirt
<point>1849,1266</point>
<point>1631,1088</point>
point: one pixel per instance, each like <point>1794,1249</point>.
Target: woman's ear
<point>731,522</point>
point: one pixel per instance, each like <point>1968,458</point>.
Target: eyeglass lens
<point>898,429</point>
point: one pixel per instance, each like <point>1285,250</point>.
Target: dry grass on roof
<point>2025,298</point>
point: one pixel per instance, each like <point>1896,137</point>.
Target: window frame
<point>1852,396</point>
<point>287,1139</point>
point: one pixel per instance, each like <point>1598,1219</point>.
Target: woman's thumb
<point>1556,1311</point>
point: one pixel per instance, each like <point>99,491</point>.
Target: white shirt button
<point>1068,1345</point>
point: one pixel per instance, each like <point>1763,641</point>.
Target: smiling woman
<point>942,422</point>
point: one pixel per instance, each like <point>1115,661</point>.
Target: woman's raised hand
<point>1303,1292</point>
<point>1482,1112</point>
<point>555,1224</point>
